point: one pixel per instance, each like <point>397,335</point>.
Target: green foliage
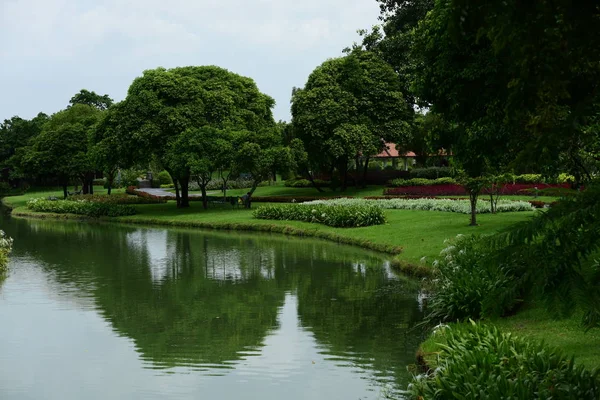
<point>164,178</point>
<point>338,216</point>
<point>528,178</point>
<point>346,108</point>
<point>62,149</point>
<point>480,362</point>
<point>431,172</point>
<point>129,177</point>
<point>15,135</point>
<point>116,199</point>
<point>305,183</point>
<point>80,207</point>
<point>5,249</point>
<point>469,284</point>
<point>422,182</point>
<point>92,99</point>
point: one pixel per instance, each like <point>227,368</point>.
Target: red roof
<point>391,151</point>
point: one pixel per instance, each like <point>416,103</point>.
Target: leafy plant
<point>337,216</point>
<point>80,207</point>
<point>480,362</point>
<point>447,205</point>
<point>5,249</point>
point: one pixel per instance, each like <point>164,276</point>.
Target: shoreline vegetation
<point>413,239</point>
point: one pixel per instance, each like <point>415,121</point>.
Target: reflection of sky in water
<point>219,264</point>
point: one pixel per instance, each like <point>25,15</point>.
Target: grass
<point>567,334</point>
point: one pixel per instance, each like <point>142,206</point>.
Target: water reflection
<point>292,313</point>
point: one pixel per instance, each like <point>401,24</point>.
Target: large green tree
<point>164,103</point>
<point>61,150</point>
<point>15,135</point>
<point>348,109</point>
<point>92,99</point>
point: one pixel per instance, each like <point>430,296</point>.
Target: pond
<point>103,311</point>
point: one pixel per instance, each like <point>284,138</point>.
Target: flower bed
<point>459,190</point>
<point>5,247</point>
<point>80,207</point>
<point>117,199</point>
<point>337,216</point>
<point>446,205</point>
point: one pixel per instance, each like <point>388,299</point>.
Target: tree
<point>199,152</point>
<point>15,134</point>
<point>61,150</point>
<point>261,154</point>
<point>91,99</point>
<point>348,109</point>
<point>163,104</point>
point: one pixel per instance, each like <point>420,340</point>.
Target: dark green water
<point>93,311</point>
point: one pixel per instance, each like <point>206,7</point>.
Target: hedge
<point>336,216</point>
<point>80,207</point>
<point>459,190</point>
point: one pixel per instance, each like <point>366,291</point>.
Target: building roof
<point>392,152</point>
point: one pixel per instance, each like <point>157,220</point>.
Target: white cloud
<point>64,42</point>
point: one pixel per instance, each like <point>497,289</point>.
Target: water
<point>98,311</point>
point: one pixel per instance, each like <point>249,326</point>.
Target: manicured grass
<point>21,201</point>
<point>567,334</point>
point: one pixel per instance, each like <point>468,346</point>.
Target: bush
<point>375,166</point>
<point>5,248</point>
<point>164,178</point>
<point>116,199</point>
<point>529,178</point>
<point>470,284</point>
<point>129,177</point>
<point>80,207</point>
<point>431,172</point>
<point>478,361</point>
<point>305,183</point>
<point>4,188</point>
<point>337,216</point>
<point>447,205</point>
<point>423,182</point>
<point>170,186</point>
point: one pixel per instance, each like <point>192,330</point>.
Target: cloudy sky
<point>50,49</point>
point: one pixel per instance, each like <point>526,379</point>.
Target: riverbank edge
<point>401,266</point>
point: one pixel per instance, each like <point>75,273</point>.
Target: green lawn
<point>566,334</point>
<point>21,201</point>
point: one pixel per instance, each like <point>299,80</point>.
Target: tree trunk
<point>92,185</point>
<point>492,204</point>
<point>185,199</point>
<point>177,197</point>
<point>65,191</point>
<point>204,199</point>
<point>365,169</point>
<point>473,195</point>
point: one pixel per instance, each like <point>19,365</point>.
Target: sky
<point>51,49</point>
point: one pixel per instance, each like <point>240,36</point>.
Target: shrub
<point>565,178</point>
<point>447,205</point>
<point>170,186</point>
<point>4,188</point>
<point>5,248</point>
<point>423,182</point>
<point>164,178</point>
<point>80,207</point>
<point>470,284</point>
<point>478,361</point>
<point>305,183</point>
<point>431,172</point>
<point>337,216</point>
<point>116,199</point>
<point>529,178</point>
<point>129,177</point>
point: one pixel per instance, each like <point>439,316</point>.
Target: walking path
<point>163,192</point>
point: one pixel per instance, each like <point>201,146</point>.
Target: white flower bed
<point>447,205</point>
